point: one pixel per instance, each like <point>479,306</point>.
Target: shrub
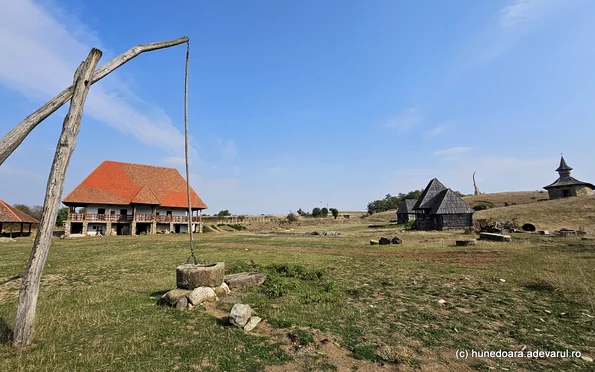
<point>324,212</point>
<point>296,271</point>
<point>291,217</point>
<point>301,336</point>
<point>335,212</point>
<point>274,286</point>
<point>316,212</point>
<point>481,207</point>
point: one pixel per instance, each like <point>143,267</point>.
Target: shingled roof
<point>125,183</point>
<point>406,206</point>
<point>447,202</point>
<point>565,179</point>
<point>9,214</point>
<point>426,200</point>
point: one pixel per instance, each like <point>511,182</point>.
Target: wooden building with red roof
<point>132,199</point>
<point>9,216</point>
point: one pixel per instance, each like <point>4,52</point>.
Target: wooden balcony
<point>94,217</point>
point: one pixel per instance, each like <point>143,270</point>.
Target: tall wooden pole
<point>190,224</point>
<point>27,304</point>
<point>15,137</point>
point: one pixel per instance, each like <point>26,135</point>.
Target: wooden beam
<point>27,303</point>
<point>15,137</point>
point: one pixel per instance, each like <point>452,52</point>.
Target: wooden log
<point>464,243</point>
<point>15,137</point>
<point>27,303</point>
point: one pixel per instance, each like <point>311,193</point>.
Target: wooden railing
<point>95,217</point>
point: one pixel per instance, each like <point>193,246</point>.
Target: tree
<point>335,212</point>
<point>392,202</point>
<point>223,213</point>
<point>316,212</point>
<point>301,212</point>
<point>324,212</point>
<point>36,212</point>
<point>23,208</point>
<point>62,216</point>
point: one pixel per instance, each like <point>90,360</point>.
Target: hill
<point>569,213</point>
<point>502,199</point>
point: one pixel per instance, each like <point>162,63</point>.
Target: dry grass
<point>502,199</point>
<point>569,213</point>
<point>376,303</point>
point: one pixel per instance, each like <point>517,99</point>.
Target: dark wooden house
<point>439,208</point>
<point>567,186</point>
<point>405,213</point>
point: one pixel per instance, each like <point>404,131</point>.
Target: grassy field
<point>332,303</point>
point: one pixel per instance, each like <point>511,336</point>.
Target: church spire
<point>563,166</point>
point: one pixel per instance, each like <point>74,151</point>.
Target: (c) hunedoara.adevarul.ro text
<point>466,354</point>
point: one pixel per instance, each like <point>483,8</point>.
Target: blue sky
<point>294,103</point>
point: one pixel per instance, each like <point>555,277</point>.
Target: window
<point>100,210</point>
<point>112,212</point>
<point>123,211</point>
<point>168,213</point>
<point>157,214</point>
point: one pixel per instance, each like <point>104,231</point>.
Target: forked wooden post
<point>27,304</point>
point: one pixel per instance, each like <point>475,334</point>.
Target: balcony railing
<point>95,217</point>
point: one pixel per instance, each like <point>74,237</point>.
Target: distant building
<point>566,186</point>
<point>352,214</point>
<point>131,199</point>
<point>405,213</point>
<point>439,208</point>
<point>10,216</point>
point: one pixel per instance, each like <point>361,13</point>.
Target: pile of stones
<point>204,283</point>
<point>386,241</point>
<point>325,233</point>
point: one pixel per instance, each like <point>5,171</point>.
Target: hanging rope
<point>192,256</point>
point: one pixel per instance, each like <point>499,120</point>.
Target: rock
<point>494,237</point>
<point>252,323</point>
<point>225,287</point>
<point>467,242</point>
<point>502,280</point>
<point>182,303</point>
<point>586,358</point>
<point>220,292</point>
<point>383,241</point>
<point>171,297</point>
<point>241,280</point>
<point>441,302</point>
<point>331,233</point>
<point>373,242</point>
<point>240,314</point>
<point>396,240</point>
<point>200,295</point>
<point>193,276</point>
<point>528,227</point>
<point>543,232</point>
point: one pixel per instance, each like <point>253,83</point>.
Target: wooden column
<point>21,229</point>
<point>30,228</point>
<point>0,228</point>
<point>108,222</point>
<point>154,220</point>
<point>133,222</point>
<point>11,230</point>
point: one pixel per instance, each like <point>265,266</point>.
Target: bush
<point>274,286</point>
<point>291,217</point>
<point>324,212</point>
<point>481,207</point>
<point>335,212</point>
<point>296,271</point>
<point>316,212</point>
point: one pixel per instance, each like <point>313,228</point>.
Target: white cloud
<point>229,150</point>
<point>517,12</point>
<point>439,129</point>
<point>453,151</point>
<point>405,121</point>
<point>45,50</point>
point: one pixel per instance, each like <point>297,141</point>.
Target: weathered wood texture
<point>27,303</point>
<point>190,229</point>
<point>15,137</point>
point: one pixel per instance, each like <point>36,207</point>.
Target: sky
<point>296,104</point>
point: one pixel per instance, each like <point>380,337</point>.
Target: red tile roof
<point>125,183</point>
<point>9,214</point>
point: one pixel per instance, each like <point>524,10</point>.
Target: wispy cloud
<point>514,21</point>
<point>439,129</point>
<point>452,151</point>
<point>406,120</point>
<point>276,170</point>
<point>19,172</point>
<point>45,47</point>
<point>229,150</point>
